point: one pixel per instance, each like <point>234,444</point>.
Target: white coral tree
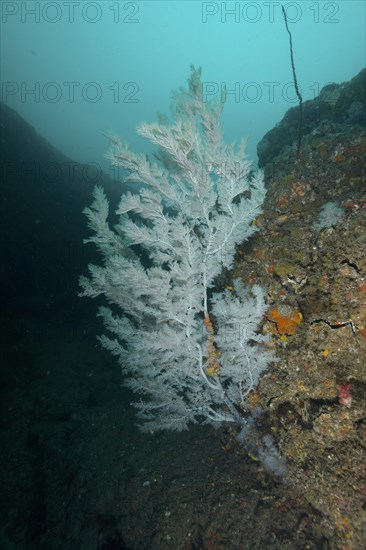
<point>191,355</point>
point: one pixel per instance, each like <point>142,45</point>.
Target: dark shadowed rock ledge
<point>338,103</point>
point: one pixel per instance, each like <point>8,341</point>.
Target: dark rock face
<point>314,271</point>
<point>43,194</point>
<point>338,103</point>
